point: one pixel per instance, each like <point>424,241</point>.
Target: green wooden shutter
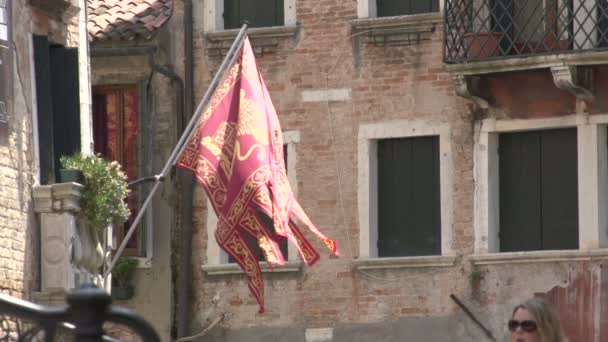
<point>232,14</point>
<point>44,107</point>
<point>388,8</point>
<point>409,219</point>
<point>538,190</point>
<point>259,13</point>
<point>559,185</point>
<point>520,193</point>
<point>65,90</point>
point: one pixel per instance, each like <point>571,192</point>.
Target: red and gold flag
<point>236,154</point>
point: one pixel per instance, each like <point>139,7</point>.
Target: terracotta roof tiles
<point>126,19</point>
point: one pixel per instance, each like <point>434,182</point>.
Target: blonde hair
<point>547,319</point>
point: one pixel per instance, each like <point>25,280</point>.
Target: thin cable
<point>331,140</point>
<point>339,173</point>
<point>204,332</point>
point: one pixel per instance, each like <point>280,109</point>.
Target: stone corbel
<point>576,80</point>
<point>471,87</point>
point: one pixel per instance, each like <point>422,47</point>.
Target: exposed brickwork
<point>386,83</point>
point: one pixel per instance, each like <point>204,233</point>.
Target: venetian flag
<point>236,154</point>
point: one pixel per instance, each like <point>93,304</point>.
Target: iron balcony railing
<point>82,320</point>
<point>493,29</point>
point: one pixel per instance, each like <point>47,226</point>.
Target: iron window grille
<point>493,29</point>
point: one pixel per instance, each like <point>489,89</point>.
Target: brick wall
<point>385,83</point>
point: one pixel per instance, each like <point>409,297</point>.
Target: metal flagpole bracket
<point>157,178</point>
<point>183,140</point>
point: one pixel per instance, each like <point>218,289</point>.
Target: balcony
<point>549,30</point>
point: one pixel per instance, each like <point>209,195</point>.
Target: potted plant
<point>105,189</point>
<point>122,278</point>
<point>103,203</point>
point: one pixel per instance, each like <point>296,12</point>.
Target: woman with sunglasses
<point>535,321</point>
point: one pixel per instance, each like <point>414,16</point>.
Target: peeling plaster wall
<point>19,234</point>
<point>153,284</point>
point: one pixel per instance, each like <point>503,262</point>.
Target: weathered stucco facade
<point>19,166</point>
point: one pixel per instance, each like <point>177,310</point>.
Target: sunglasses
<point>527,326</point>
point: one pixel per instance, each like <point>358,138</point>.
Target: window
<point>389,8</point>
<point>58,104</point>
<point>217,256</point>
<point>409,220</point>
<point>259,13</point>
<point>405,189</point>
<point>230,14</point>
<point>6,70</point>
<point>533,25</point>
<point>538,190</point>
<point>560,202</point>
<point>115,129</point>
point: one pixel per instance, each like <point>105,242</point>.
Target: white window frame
<point>214,20</point>
<point>592,166</point>
<point>215,255</point>
<point>368,9</point>
<point>369,134</point>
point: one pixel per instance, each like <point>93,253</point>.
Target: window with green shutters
<point>538,190</point>
<point>409,213</point>
<point>258,13</point>
<point>57,103</point>
<point>388,8</point>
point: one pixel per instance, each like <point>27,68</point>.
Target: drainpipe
<point>186,180</point>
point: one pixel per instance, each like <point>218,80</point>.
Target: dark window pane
<point>409,218</point>
<point>388,8</point>
<point>259,13</point>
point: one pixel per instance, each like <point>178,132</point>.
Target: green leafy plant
<point>105,190</point>
<point>122,273</point>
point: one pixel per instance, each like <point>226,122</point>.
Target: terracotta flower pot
<point>482,44</point>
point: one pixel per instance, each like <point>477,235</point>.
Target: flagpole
<point>183,141</point>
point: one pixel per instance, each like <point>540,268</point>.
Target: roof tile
<point>126,19</point>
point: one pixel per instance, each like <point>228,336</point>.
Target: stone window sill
<point>224,269</point>
<point>404,262</point>
<point>256,32</point>
<point>416,23</point>
<point>538,257</point>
